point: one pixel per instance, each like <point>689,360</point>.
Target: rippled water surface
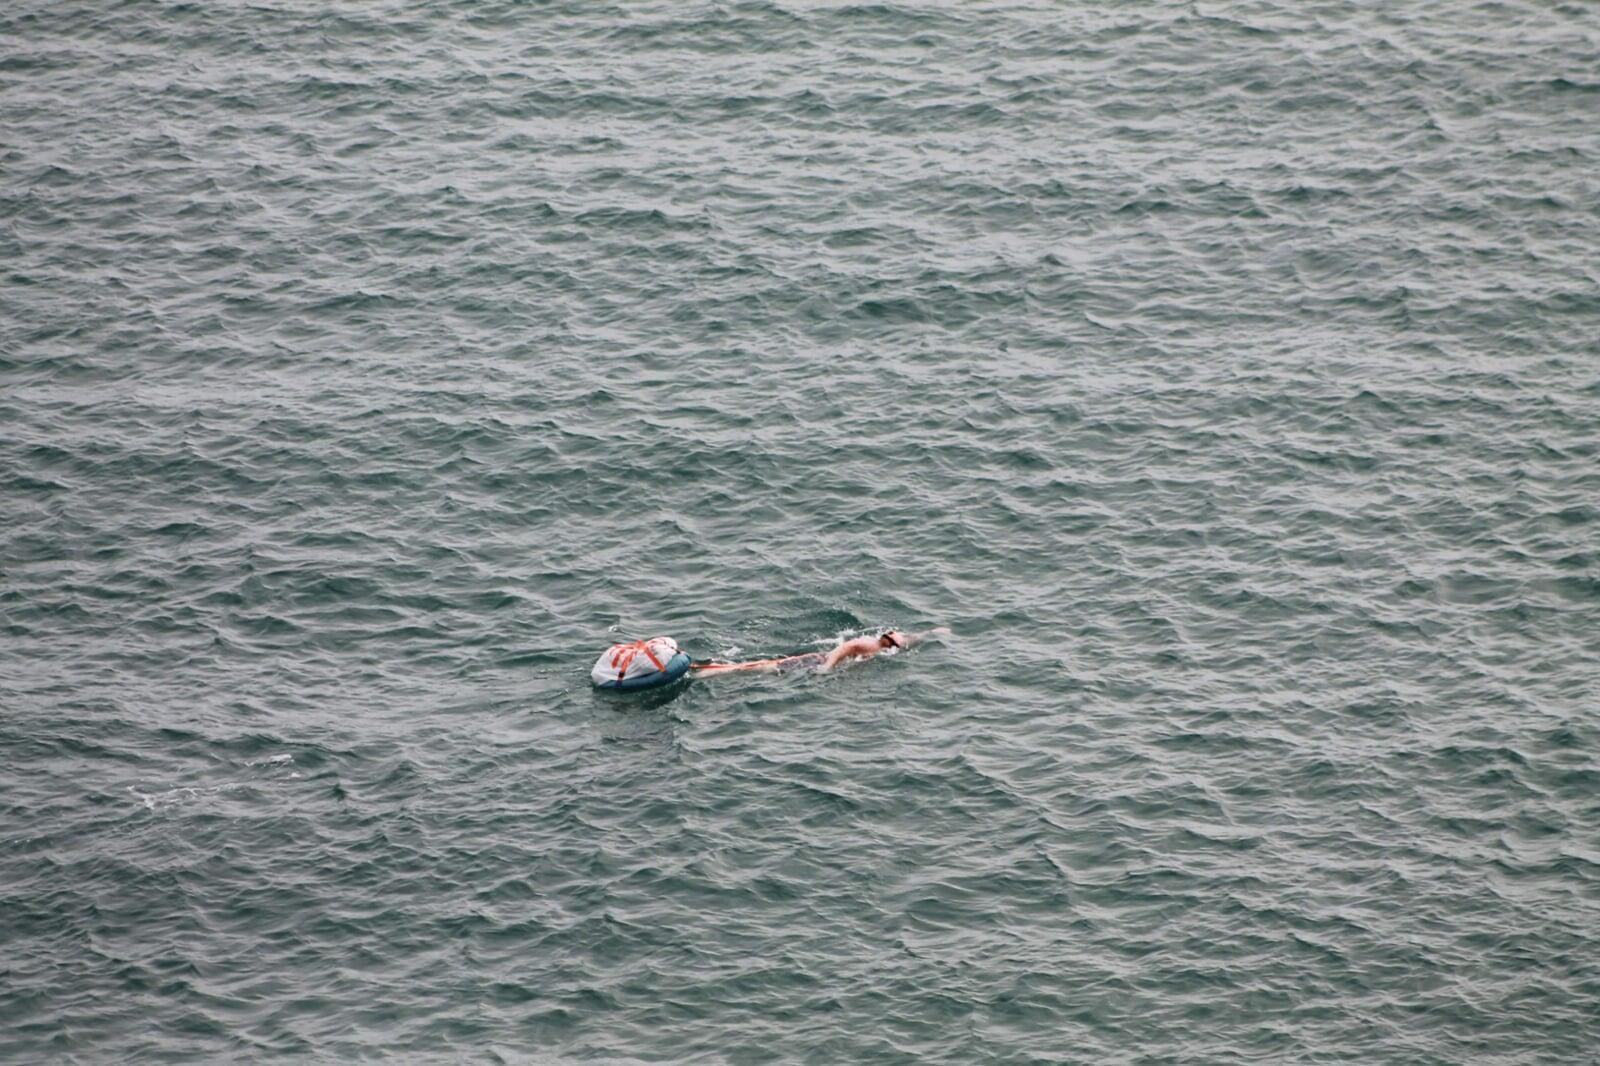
<point>1227,375</point>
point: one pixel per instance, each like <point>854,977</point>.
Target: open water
<point>1227,375</point>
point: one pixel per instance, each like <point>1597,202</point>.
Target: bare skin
<point>857,648</point>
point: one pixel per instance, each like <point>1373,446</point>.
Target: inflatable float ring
<point>639,665</point>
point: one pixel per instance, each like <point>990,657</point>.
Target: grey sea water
<point>1226,375</point>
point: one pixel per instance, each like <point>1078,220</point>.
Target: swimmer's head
<point>892,639</point>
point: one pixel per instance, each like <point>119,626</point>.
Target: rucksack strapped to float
<point>640,664</point>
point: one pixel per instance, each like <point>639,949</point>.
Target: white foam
<point>272,760</point>
<point>174,796</point>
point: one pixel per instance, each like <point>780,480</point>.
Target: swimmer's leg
<point>810,660</point>
<point>760,666</point>
<point>703,668</point>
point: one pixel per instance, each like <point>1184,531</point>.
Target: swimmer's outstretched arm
<point>913,639</point>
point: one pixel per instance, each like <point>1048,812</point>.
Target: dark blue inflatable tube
<point>677,666</point>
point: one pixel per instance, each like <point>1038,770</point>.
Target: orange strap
<point>622,656</point>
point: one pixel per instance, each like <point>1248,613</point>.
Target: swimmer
<point>858,648</point>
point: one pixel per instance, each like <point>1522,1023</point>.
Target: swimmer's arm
<point>859,648</point>
<point>867,647</point>
<point>913,639</point>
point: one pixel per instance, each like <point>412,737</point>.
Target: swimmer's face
<point>892,639</point>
